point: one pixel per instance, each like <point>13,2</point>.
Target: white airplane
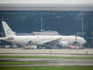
<point>39,40</point>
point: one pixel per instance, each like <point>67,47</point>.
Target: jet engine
<point>63,43</point>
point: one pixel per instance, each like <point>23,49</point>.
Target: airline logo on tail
<point>8,31</point>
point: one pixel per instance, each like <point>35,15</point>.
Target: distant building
<point>40,33</point>
<point>45,33</point>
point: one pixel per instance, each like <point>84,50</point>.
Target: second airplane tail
<point>7,30</point>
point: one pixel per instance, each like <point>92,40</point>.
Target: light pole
<point>41,21</point>
<point>2,32</point>
<point>82,26</point>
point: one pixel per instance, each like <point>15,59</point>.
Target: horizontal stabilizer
<point>6,38</point>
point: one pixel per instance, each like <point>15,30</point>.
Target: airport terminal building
<point>63,22</point>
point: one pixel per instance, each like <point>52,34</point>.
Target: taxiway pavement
<point>50,62</point>
<point>47,52</point>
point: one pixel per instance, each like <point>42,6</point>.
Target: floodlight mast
<point>41,21</point>
<point>82,26</point>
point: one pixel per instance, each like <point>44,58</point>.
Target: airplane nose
<point>84,41</point>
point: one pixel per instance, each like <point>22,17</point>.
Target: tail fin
<point>7,30</point>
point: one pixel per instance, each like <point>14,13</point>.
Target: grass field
<point>47,68</point>
<point>46,57</point>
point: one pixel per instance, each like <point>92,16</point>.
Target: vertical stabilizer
<point>7,30</point>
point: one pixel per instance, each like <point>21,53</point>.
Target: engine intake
<point>63,43</point>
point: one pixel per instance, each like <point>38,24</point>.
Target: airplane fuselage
<point>39,40</point>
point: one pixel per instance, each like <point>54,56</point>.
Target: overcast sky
<point>47,1</point>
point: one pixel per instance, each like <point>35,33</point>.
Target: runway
<point>50,62</point>
<point>47,52</point>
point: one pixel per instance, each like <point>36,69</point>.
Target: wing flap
<point>53,42</point>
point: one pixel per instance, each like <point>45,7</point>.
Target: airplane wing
<point>53,42</point>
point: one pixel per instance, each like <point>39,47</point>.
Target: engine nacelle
<point>63,43</point>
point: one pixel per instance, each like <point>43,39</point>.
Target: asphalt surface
<point>48,52</point>
<point>51,62</point>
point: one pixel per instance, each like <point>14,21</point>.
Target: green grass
<point>46,57</point>
<point>47,68</point>
<point>16,63</point>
